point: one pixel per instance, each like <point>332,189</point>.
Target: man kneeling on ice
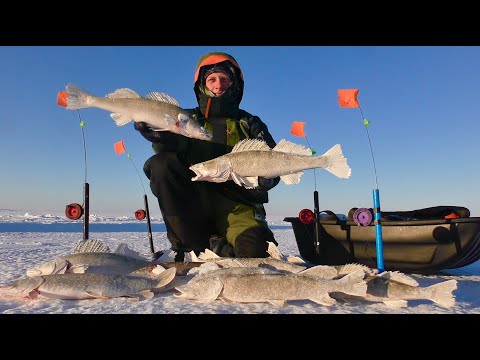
<point>223,217</point>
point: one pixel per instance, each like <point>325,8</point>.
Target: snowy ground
<point>29,239</point>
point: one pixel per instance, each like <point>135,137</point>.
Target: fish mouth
<point>203,177</point>
<point>198,174</point>
<point>196,131</point>
<point>205,135</point>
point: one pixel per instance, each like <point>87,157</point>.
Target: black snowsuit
<point>194,211</point>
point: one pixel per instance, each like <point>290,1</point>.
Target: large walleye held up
<point>252,158</point>
<point>160,111</point>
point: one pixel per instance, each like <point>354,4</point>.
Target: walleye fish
<point>160,111</point>
<point>89,286</point>
<point>94,262</point>
<point>394,288</point>
<point>252,285</point>
<point>269,262</point>
<point>252,158</point>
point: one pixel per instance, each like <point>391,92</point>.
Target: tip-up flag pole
<point>347,98</point>
<point>74,211</point>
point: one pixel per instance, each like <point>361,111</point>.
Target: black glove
<point>257,129</point>
<point>267,184</point>
<point>156,137</point>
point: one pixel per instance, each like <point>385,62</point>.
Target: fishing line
<point>366,123</point>
<point>82,125</point>
<point>129,156</point>
<point>314,172</point>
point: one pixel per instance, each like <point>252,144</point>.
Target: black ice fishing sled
<point>423,241</point>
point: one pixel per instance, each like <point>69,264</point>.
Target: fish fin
<point>120,119</point>
<point>296,260</point>
<point>396,303</point>
<point>123,93</point>
<point>77,269</point>
<point>399,277</point>
<point>123,249</point>
<point>91,245</point>
<point>354,284</point>
<point>253,180</point>
<point>77,97</point>
<point>167,256</point>
<point>349,268</point>
<point>34,294</point>
<point>207,254</point>
<point>325,299</point>
<point>292,148</point>
<point>61,267</point>
<point>164,278</point>
<point>292,178</point>
<point>191,257</point>
<point>442,293</point>
<point>322,271</point>
<point>157,269</point>
<point>182,118</point>
<point>336,162</point>
<point>237,179</point>
<point>163,97</point>
<point>249,182</point>
<point>96,294</point>
<point>225,172</point>
<point>249,145</point>
<point>205,267</point>
<point>146,295</point>
<point>274,252</point>
<point>277,303</point>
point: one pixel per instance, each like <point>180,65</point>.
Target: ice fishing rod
<point>347,98</point>
<point>140,214</point>
<point>75,211</point>
<point>316,207</point>
<point>298,130</point>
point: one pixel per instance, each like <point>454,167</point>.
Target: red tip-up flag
<point>297,128</point>
<point>348,98</point>
<point>62,98</point>
<point>119,147</point>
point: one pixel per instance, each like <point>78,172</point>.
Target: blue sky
<point>421,101</point>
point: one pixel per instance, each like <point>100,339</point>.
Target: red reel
<point>74,211</point>
<point>140,214</point>
<point>306,216</point>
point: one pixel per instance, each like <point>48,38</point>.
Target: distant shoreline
<point>95,227</point>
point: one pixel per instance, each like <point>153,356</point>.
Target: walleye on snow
<point>160,111</point>
<point>252,158</point>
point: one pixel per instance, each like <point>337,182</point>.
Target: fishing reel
<point>363,216</point>
<point>306,216</point>
<point>140,214</point>
<point>74,211</point>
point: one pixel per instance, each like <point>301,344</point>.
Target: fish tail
<point>353,284</point>
<point>77,97</point>
<point>336,162</point>
<point>442,293</point>
<point>164,278</point>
